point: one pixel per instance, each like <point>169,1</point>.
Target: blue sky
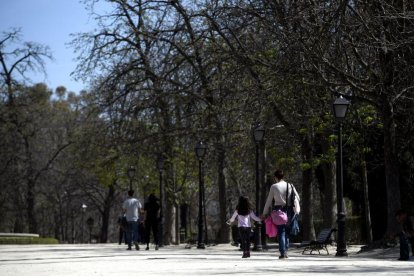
<point>49,22</point>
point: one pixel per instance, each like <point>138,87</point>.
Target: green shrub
<point>27,240</point>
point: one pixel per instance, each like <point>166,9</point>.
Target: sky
<point>49,22</point>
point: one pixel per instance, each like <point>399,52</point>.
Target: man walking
<point>132,208</point>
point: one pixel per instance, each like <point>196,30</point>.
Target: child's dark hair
<point>244,206</point>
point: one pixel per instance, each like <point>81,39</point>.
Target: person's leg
<point>129,235</point>
<point>121,235</point>
<point>155,232</point>
<point>135,234</point>
<point>147,233</point>
<point>404,249</point>
<point>411,240</point>
<point>241,235</point>
<point>287,242</point>
<point>248,234</point>
<point>244,237</point>
<point>141,230</point>
<point>281,232</point>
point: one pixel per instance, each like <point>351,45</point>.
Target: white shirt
<point>244,221</point>
<point>277,193</point>
<point>131,207</point>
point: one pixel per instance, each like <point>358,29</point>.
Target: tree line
<point>166,74</point>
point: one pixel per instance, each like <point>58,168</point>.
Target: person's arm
<point>124,207</point>
<point>253,216</point>
<point>233,218</point>
<point>296,203</point>
<point>140,211</point>
<point>145,211</point>
<point>268,202</point>
<point>296,193</point>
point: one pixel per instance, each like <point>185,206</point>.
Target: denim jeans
<point>132,232</point>
<point>283,231</point>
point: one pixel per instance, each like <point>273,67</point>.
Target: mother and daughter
<point>285,198</point>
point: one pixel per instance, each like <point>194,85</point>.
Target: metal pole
<point>262,190</point>
<point>341,243</point>
<point>204,209</point>
<point>258,236</point>
<point>200,244</point>
<point>161,230</point>
<point>130,183</point>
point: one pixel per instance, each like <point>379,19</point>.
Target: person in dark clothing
<point>406,236</point>
<point>123,225</point>
<point>151,209</point>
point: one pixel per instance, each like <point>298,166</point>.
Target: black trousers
<point>244,233</point>
<point>122,235</point>
<point>151,225</point>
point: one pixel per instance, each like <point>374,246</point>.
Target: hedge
<point>26,240</point>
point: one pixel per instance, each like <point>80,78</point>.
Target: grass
<point>27,240</point>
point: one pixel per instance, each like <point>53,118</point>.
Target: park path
<point>113,259</point>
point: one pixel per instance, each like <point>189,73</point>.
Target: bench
<point>324,239</point>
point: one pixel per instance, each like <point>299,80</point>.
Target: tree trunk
<point>177,224</point>
<point>307,195</point>
<point>328,179</point>
<point>223,236</point>
<point>108,203</point>
<point>329,195</point>
<point>367,210</point>
<point>168,203</point>
<point>265,183</point>
<point>31,203</point>
<point>391,166</point>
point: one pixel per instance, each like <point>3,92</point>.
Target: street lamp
<point>340,108</point>
<point>131,174</point>
<point>84,206</point>
<point>258,136</point>
<point>200,151</point>
<point>160,167</point>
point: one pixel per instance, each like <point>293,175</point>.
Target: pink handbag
<point>279,217</point>
<point>271,229</point>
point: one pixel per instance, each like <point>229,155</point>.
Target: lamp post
<point>258,135</point>
<point>131,174</point>
<point>84,206</point>
<point>160,167</point>
<point>340,108</point>
<point>200,151</point>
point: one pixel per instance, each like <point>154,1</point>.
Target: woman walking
<point>286,199</point>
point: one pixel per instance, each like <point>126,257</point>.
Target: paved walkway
<point>112,259</point>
